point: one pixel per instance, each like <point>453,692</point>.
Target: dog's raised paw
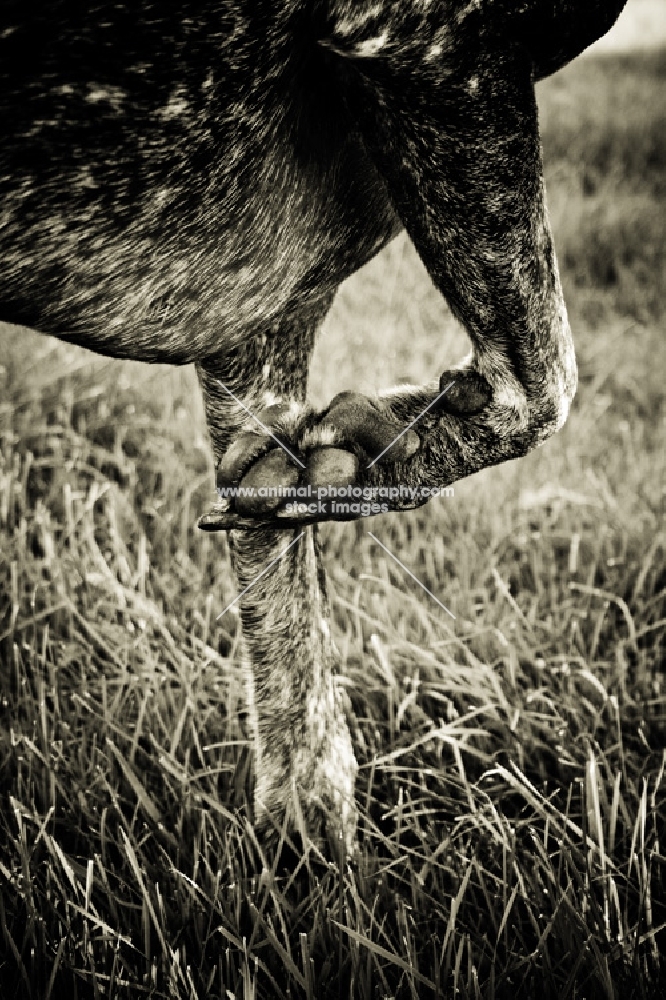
<point>276,469</point>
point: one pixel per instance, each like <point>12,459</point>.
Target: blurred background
<point>554,566</point>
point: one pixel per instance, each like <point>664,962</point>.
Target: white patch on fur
<point>469,9</point>
<point>161,196</point>
<point>84,177</point>
<point>563,402</point>
<point>370,46</point>
<point>348,25</point>
<point>267,398</point>
<point>176,107</point>
<point>108,95</point>
<point>319,437</point>
<point>509,394</point>
<point>567,376</point>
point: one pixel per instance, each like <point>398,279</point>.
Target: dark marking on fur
<point>193,181</point>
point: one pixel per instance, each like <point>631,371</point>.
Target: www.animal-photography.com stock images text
<point>332,496</point>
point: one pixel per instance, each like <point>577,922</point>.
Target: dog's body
<point>170,184</point>
<point>193,183</point>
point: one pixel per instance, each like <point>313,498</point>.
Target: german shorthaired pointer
<point>192,181</point>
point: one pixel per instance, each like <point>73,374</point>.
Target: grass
<point>512,762</point>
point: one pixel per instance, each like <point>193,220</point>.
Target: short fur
<point>193,181</point>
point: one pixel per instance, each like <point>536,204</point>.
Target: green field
<point>511,789</point>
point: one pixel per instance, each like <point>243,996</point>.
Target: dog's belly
<point>163,197</point>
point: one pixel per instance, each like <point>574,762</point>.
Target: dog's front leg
<point>304,755</point>
<point>458,146</point>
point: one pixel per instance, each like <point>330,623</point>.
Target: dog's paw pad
<point>465,392</point>
<point>332,467</point>
<point>270,475</point>
<point>240,454</point>
<point>360,421</point>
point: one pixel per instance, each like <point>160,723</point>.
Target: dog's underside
<point>193,183</point>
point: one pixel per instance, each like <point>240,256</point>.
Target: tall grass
<point>511,786</point>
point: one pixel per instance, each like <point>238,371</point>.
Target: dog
<point>192,182</point>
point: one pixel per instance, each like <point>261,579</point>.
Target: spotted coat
<point>191,182</point>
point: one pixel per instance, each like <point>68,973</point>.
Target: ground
<point>512,760</point>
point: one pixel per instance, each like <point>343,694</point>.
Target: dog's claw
<point>217,517</point>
